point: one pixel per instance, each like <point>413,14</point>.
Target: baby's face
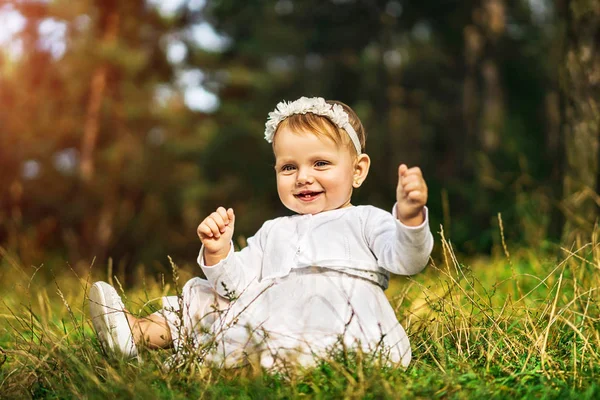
<point>314,174</point>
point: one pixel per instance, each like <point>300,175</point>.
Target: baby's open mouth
<point>307,195</point>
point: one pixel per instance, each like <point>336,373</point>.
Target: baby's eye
<point>321,163</point>
<point>288,167</point>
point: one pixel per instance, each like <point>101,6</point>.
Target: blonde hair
<point>322,126</point>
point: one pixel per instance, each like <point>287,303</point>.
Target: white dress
<point>303,285</point>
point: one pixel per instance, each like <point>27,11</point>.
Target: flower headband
<point>315,105</point>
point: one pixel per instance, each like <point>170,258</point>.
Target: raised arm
<point>229,272</point>
<point>402,242</point>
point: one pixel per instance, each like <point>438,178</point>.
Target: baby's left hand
<point>411,195</point>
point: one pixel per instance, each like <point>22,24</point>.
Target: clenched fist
<point>411,195</point>
<point>215,233</point>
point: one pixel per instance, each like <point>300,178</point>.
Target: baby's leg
<point>191,316</point>
<point>201,308</point>
<point>121,332</point>
<point>151,331</point>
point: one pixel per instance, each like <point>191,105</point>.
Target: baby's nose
<point>303,177</point>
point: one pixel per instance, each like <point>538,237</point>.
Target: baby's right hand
<point>215,233</point>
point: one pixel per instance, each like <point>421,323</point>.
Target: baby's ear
<point>361,170</point>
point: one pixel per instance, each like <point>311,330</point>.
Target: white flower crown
<point>315,105</point>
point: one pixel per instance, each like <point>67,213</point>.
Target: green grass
<point>520,325</point>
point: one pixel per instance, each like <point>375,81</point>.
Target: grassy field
<point>522,324</point>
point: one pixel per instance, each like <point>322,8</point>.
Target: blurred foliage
<point>466,90</point>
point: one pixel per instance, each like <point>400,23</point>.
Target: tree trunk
<point>581,90</point>
<point>483,98</point>
<point>97,232</point>
<point>494,25</point>
<point>471,92</point>
<point>98,86</point>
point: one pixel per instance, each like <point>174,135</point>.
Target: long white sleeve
<point>400,249</point>
<point>232,275</point>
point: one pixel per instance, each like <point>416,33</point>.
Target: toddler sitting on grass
<point>304,283</point>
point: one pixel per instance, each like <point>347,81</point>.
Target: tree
<point>581,90</point>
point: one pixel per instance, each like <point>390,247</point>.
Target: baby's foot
<point>110,320</point>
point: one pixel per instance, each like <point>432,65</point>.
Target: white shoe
<point>109,320</point>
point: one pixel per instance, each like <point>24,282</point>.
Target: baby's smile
<point>307,195</point>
